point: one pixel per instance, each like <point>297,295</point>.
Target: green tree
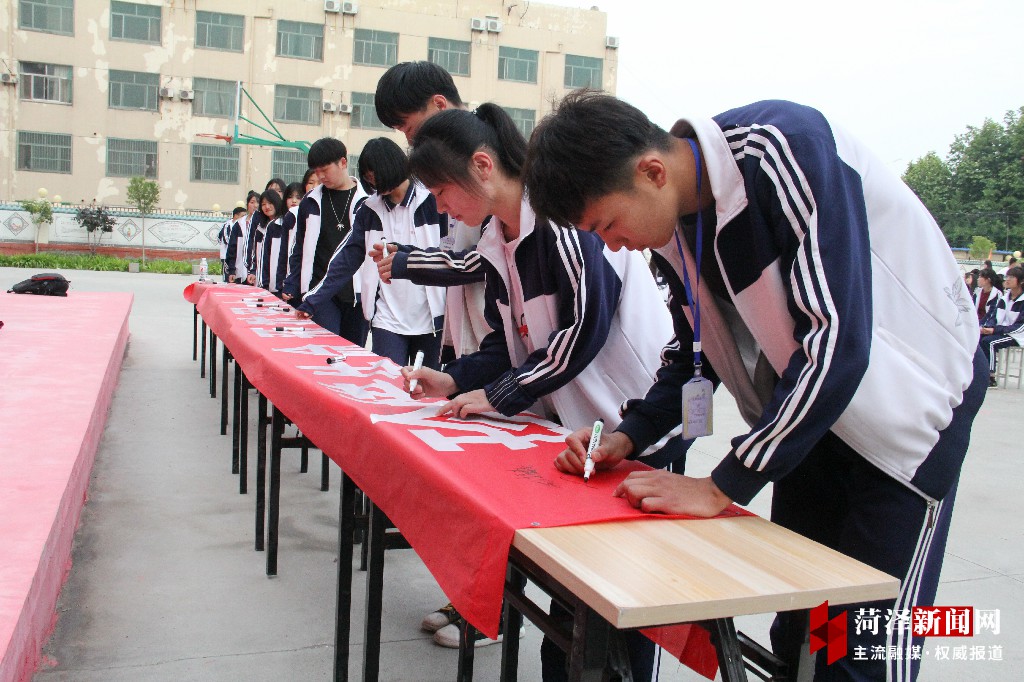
<point>97,222</point>
<point>41,212</point>
<point>981,247</point>
<point>144,195</point>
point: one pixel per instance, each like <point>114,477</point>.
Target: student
<point>309,181</point>
<point>257,228</point>
<point>405,317</point>
<point>272,244</point>
<point>408,94</point>
<point>576,329</point>
<point>986,297</point>
<point>293,194</point>
<point>224,239</point>
<point>860,406</point>
<point>1005,328</point>
<point>236,268</point>
<point>323,221</point>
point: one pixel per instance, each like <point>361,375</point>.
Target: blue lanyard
<point>693,292</point>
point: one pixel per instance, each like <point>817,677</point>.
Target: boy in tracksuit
<point>224,237</point>
<point>813,314</point>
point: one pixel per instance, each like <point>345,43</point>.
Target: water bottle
<point>203,269</point>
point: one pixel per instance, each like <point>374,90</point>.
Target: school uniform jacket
<point>1010,317</point>
<point>235,255</point>
<point>851,331</point>
<point>223,235</point>
<point>307,232</point>
<point>991,306</point>
<point>254,240</point>
<point>273,265</point>
<point>594,317</point>
<point>351,259</point>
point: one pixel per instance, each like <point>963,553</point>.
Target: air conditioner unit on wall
<point>8,78</point>
<point>611,42</point>
<point>478,25</point>
<point>344,108</point>
<point>494,26</point>
<point>167,93</point>
<point>187,95</point>
<point>332,5</point>
<point>329,106</point>
<point>349,8</point>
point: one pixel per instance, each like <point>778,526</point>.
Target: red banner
<point>456,488</point>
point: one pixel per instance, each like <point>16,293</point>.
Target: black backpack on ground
<point>44,284</point>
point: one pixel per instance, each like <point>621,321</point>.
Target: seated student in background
<point>323,220</point>
<point>576,329</point>
<point>986,296</point>
<point>1005,327</point>
<point>854,364</point>
<point>272,244</point>
<point>408,94</point>
<point>405,317</point>
<point>236,268</point>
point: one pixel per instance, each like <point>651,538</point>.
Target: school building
<point>94,92</point>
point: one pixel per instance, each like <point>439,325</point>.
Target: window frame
<point>27,81</point>
<point>211,25</point>
<point>49,144</point>
<point>505,59</point>
<point>433,50</point>
<point>47,6</point>
<point>358,109</point>
<point>133,166</point>
<point>117,9</point>
<point>317,41</point>
<point>155,90</point>
<point>515,114</point>
<point>571,68</point>
<point>199,146</point>
<point>363,47</point>
<point>201,94</point>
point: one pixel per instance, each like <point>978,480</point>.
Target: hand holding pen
<point>611,448</point>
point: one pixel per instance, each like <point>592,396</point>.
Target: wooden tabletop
<point>661,571</point>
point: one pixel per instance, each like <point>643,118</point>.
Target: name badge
<point>448,242</point>
<point>698,404</point>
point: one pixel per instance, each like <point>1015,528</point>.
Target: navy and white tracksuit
<point>1007,327</point>
<point>851,358</point>
<point>272,267</point>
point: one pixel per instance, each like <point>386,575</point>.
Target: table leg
<point>515,584</point>
<point>343,605</point>
<point>236,427</point>
<point>589,652</point>
<point>224,391</point>
<point>274,496</point>
<point>243,434</point>
<point>195,333</point>
<point>374,593</point>
<point>325,473</point>
<point>213,364</point>
<point>730,657</point>
<point>261,474</point>
<point>202,350</point>
<point>467,649</point>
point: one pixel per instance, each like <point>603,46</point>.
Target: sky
<point>904,76</point>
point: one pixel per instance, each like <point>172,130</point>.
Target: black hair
<point>276,182</point>
<point>296,189</point>
<point>305,178</point>
<point>387,161</point>
<point>989,274</point>
<point>238,209</point>
<point>1016,271</point>
<point>583,151</point>
<point>275,199</point>
<point>447,140</point>
<point>325,151</point>
<point>407,87</point>
<point>248,197</point>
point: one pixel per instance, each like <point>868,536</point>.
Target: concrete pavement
<point>165,584</point>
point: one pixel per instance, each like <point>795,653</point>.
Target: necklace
<point>348,202</point>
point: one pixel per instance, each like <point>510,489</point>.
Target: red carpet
<point>59,362</point>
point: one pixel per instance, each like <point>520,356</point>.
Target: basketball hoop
<point>216,136</point>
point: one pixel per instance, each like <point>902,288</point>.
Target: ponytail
<point>446,142</point>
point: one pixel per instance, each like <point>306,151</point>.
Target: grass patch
<point>82,261</point>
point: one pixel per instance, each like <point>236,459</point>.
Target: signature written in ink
<point>529,473</point>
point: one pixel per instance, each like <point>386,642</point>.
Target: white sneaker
<point>446,615</point>
<point>448,637</point>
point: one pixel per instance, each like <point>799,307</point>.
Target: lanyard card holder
<point>698,405</point>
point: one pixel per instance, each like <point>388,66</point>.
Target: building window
<point>45,82</point>
<point>288,164</point>
<point>216,31</point>
<point>451,55</point>
<point>44,152</point>
<point>296,104</point>
<point>515,64</point>
<point>214,163</point>
<point>525,119</point>
<point>364,113</point>
<point>214,97</point>
<point>129,21</point>
<point>583,72</point>
<point>133,90</point>
<point>48,16</point>
<point>353,165</point>
<point>129,158</point>
<point>375,48</point>
<point>301,40</point>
